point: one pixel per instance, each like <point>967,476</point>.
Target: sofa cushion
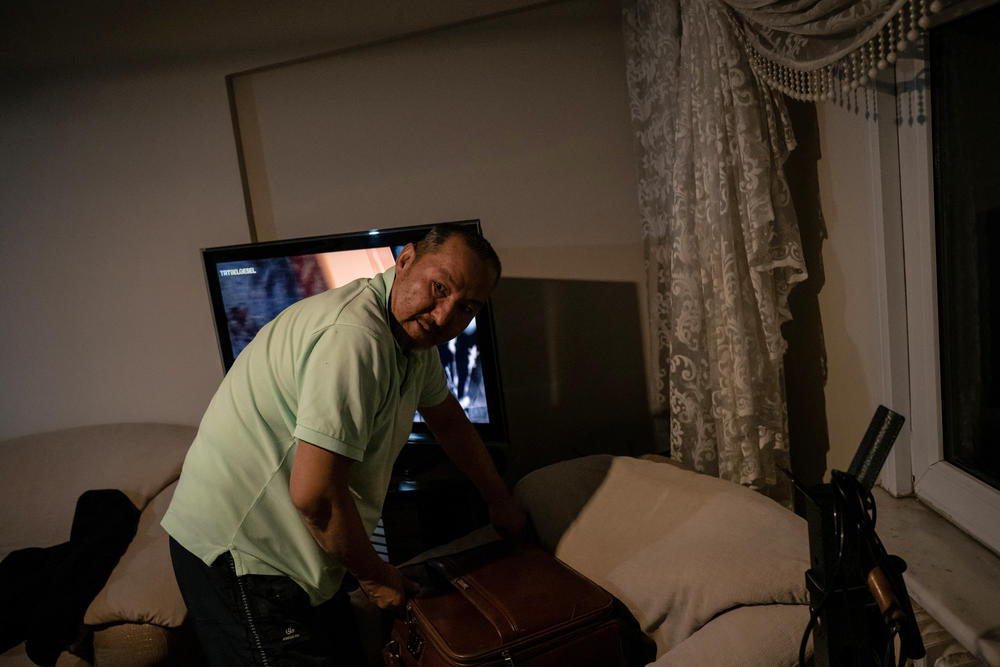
<point>555,495</point>
<point>43,475</point>
<point>677,547</point>
<point>142,588</point>
<point>754,636</point>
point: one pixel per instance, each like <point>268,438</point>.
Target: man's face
<point>436,296</point>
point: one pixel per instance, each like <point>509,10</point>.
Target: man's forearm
<point>344,538</point>
<point>339,532</point>
<point>320,490</point>
<point>462,444</point>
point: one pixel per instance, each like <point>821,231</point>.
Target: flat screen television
<point>250,284</point>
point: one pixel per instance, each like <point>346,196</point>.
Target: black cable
<point>873,511</point>
<point>890,646</point>
<point>813,615</point>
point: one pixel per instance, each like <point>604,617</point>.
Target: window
<point>966,143</point>
<point>941,197</point>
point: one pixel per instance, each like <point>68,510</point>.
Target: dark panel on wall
<point>573,370</point>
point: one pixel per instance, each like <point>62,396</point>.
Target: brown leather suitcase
<point>501,606</point>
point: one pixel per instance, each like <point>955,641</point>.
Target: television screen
<point>250,284</point>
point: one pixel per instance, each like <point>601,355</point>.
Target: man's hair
<point>475,241</point>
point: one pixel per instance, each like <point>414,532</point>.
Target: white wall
<point>521,121</point>
<point>113,180</point>
<point>848,302</point>
<point>111,185</point>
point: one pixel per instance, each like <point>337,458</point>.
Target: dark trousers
<point>263,620</point>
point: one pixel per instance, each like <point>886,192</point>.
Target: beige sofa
<point>137,618</point>
<point>712,572</point>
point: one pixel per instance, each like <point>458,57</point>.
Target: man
<point>285,480</point>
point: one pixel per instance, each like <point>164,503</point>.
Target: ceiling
<point>41,38</point>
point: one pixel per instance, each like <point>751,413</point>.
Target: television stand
<point>426,511</point>
<point>430,502</point>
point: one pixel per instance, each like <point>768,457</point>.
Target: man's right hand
<point>388,589</point>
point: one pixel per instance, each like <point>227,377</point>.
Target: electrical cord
<point>890,649</point>
<point>895,628</point>
<point>805,637</point>
<point>867,505</point>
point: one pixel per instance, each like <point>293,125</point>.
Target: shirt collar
<point>382,285</point>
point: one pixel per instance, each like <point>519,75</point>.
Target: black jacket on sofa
<point>44,592</point>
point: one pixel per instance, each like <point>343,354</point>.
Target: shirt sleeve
<point>341,387</point>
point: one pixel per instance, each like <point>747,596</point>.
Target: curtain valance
<point>810,49</point>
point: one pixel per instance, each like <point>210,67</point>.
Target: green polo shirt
<point>326,370</point>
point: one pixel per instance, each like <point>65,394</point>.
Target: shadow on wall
<point>573,371</point>
<point>805,359</point>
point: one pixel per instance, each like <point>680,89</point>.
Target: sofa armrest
<point>42,475</point>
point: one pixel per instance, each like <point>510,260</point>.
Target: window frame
<point>902,165</point>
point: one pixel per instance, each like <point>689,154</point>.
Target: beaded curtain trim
<point>891,34</point>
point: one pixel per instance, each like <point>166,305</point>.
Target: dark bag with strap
<point>502,606</point>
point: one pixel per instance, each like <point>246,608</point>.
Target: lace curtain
<point>706,83</point>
